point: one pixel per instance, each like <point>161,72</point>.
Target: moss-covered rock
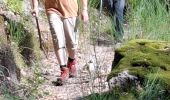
<point>144,59</point>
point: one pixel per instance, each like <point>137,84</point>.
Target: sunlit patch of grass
<point>15,5</point>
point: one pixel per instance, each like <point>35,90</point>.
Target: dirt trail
<point>80,86</point>
<point>85,82</point>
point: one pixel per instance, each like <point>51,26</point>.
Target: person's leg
<point>57,32</point>
<point>58,37</point>
<point>71,42</point>
<point>119,8</point>
<point>71,36</point>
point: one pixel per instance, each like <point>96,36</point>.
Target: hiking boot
<point>64,76</point>
<point>72,68</point>
<point>64,73</point>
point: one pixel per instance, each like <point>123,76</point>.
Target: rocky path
<point>87,80</point>
<point>93,65</point>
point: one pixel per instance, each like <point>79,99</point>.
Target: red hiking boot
<point>64,76</point>
<point>64,73</point>
<point>72,68</point>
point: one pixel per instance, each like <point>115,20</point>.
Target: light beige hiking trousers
<point>64,36</point>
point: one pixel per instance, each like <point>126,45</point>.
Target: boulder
<point>142,59</point>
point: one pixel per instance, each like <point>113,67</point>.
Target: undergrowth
<point>149,19</point>
<point>25,53</point>
<point>146,19</point>
<point>152,90</point>
<point>15,5</point>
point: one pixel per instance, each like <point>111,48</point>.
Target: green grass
<point>15,5</point>
<point>25,51</point>
<point>25,39</point>
<point>152,89</point>
<point>149,19</point>
<point>16,31</point>
<point>94,3</point>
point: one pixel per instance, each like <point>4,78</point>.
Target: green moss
<point>143,58</point>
